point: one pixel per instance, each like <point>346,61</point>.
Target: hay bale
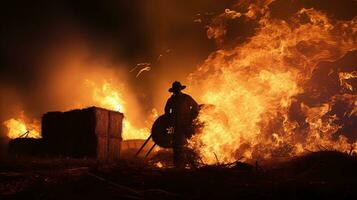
<point>25,147</point>
<point>90,132</point>
<point>3,146</point>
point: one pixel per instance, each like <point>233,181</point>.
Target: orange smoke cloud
<point>73,81</point>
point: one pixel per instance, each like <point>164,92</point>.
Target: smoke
<point>49,50</point>
<point>62,79</point>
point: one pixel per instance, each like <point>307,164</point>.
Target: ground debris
<point>316,175</point>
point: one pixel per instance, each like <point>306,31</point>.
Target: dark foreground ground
<point>320,175</point>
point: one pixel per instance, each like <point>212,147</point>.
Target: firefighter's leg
<point>178,143</point>
<point>178,156</point>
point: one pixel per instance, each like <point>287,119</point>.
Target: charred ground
<point>326,175</point>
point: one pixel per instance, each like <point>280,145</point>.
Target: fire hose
<point>160,134</point>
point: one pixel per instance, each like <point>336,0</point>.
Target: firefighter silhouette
<point>181,109</point>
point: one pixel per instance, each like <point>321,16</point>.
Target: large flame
<point>20,127</point>
<point>105,95</point>
<point>253,86</point>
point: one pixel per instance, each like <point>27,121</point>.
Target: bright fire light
<point>105,95</point>
<point>18,127</point>
<point>252,87</point>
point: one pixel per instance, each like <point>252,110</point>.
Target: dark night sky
<point>132,31</point>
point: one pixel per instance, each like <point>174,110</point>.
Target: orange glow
<point>102,94</point>
<point>105,95</point>
<point>159,165</point>
<point>17,127</point>
<point>249,89</point>
<point>252,86</point>
<point>344,77</point>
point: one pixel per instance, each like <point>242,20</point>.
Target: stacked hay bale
<point>25,147</point>
<point>91,132</point>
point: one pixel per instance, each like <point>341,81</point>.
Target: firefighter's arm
<point>168,107</point>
